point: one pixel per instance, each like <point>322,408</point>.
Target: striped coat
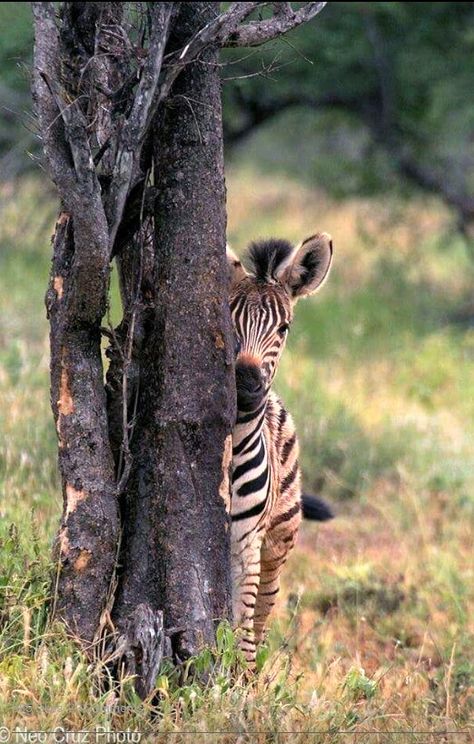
<point>267,501</point>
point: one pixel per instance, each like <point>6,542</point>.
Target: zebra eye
<point>284,328</point>
<point>238,346</point>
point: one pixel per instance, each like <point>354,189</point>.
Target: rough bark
<point>154,443</point>
<point>76,301</point>
<point>135,265</point>
<point>284,19</point>
<point>176,540</point>
<point>87,539</point>
<point>142,646</point>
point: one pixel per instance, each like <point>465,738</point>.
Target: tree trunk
<point>155,443</point>
<point>86,544</point>
<point>176,555</point>
<point>87,539</point>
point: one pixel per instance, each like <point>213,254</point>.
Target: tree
<point>128,104</point>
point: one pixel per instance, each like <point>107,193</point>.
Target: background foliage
<point>374,629</point>
<point>378,97</point>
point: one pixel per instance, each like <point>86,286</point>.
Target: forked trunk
<point>129,110</point>
<point>176,541</point>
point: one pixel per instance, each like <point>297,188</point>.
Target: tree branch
<point>212,33</point>
<point>282,10</point>
<point>258,110</point>
<point>226,30</point>
<point>284,19</point>
<point>221,27</point>
<point>152,90</point>
<point>136,126</point>
<point>46,55</point>
<point>428,180</point>
<point>75,129</point>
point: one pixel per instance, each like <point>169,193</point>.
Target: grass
<point>374,626</point>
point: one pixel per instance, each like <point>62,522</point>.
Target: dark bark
<point>142,646</point>
<point>284,19</point>
<point>76,302</point>
<point>155,442</point>
<point>87,539</point>
<point>176,547</point>
<point>135,265</point>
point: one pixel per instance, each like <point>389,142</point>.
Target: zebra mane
<point>267,255</point>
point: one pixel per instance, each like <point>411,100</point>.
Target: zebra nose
<point>250,387</point>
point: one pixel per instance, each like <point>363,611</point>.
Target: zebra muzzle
<point>250,386</point>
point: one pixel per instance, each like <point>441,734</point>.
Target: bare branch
<point>282,10</point>
<point>224,25</point>
<point>212,33</point>
<point>257,111</point>
<point>51,126</point>
<point>227,30</point>
<point>284,19</point>
<point>144,106</point>
<point>75,129</point>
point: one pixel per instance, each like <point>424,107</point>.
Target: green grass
<point>374,626</point>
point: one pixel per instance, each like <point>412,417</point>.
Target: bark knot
<point>219,341</point>
<point>82,561</point>
<point>58,284</point>
<point>224,488</point>
<point>73,497</point>
<point>65,402</point>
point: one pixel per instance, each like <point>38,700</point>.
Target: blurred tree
<point>389,86</point>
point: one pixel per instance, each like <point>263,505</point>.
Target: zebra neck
<point>248,431</point>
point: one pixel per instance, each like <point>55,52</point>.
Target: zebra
<point>266,499</point>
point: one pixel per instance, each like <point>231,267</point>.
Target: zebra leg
<point>274,553</point>
<point>267,591</point>
<point>245,581</point>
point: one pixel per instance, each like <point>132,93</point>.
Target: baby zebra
<point>267,502</point>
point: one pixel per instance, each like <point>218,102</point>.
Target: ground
<point>374,627</point>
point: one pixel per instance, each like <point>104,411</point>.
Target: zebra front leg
<point>245,582</point>
<point>275,550</point>
<point>267,593</point>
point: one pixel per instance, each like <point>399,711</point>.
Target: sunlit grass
<point>374,628</point>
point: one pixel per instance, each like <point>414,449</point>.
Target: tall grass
<point>374,626</point>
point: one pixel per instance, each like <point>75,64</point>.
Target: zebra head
<point>262,303</point>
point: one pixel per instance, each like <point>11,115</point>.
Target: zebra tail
<point>315,508</point>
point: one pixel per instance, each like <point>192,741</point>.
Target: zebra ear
<point>309,265</point>
<point>236,270</point>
